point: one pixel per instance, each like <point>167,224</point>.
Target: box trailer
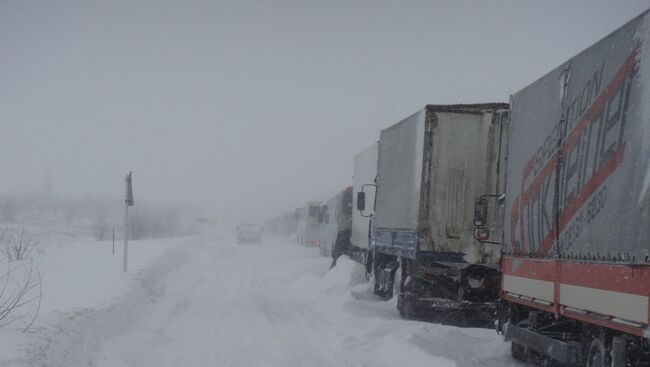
<point>576,271</point>
<point>430,168</point>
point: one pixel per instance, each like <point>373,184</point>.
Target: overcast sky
<point>253,107</point>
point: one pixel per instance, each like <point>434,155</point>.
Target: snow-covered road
<point>274,304</point>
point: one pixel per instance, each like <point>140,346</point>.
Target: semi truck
<point>335,221</point>
<point>307,230</point>
<point>430,168</point>
<point>576,260</point>
<point>364,185</point>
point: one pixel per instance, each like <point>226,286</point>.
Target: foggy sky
<point>253,107</point>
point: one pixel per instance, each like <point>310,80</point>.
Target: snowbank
<point>86,296</point>
<point>377,330</point>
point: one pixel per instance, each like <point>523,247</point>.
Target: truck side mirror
<point>361,201</point>
<point>480,212</point>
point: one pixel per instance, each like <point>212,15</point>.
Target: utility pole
<point>113,240</point>
<point>128,201</point>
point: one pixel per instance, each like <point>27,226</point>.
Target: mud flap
<point>619,352</point>
<point>449,312</point>
<point>384,279</point>
<point>566,353</point>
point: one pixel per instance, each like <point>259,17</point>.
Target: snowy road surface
<point>213,303</point>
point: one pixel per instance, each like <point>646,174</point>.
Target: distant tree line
<point>93,215</point>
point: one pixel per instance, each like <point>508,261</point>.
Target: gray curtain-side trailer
<point>576,268</point>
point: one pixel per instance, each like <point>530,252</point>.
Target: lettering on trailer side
<point>556,183</point>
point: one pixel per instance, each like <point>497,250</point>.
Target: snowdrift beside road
<point>376,335</point>
<point>86,297</point>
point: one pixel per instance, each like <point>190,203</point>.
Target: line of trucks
<point>531,216</point>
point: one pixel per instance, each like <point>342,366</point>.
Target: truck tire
<point>406,307</point>
<point>376,278</point>
<point>597,355</point>
<point>404,299</point>
<point>519,352</point>
<point>398,279</point>
<point>369,269</point>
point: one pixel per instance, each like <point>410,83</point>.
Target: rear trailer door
<point>463,155</point>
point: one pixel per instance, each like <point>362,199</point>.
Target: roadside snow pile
<point>86,296</point>
<point>376,331</point>
<point>89,327</point>
<point>342,277</point>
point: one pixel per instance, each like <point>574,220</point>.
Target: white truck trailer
<point>431,167</point>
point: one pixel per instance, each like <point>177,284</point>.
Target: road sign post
<point>128,201</point>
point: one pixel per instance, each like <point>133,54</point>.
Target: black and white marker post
<point>128,201</point>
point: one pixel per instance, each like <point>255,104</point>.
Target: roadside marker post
<point>128,201</point>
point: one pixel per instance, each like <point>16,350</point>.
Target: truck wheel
<point>398,279</point>
<point>597,355</point>
<point>369,262</point>
<point>377,288</point>
<point>519,352</point>
<point>406,307</point>
<point>377,280</point>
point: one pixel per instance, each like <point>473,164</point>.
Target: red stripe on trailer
<point>600,102</point>
<point>633,279</point>
<point>638,331</point>
<point>603,172</point>
<point>528,168</point>
<point>616,278</point>
<point>541,269</point>
<point>590,187</point>
<point>624,279</point>
<point>539,179</point>
<point>592,319</point>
